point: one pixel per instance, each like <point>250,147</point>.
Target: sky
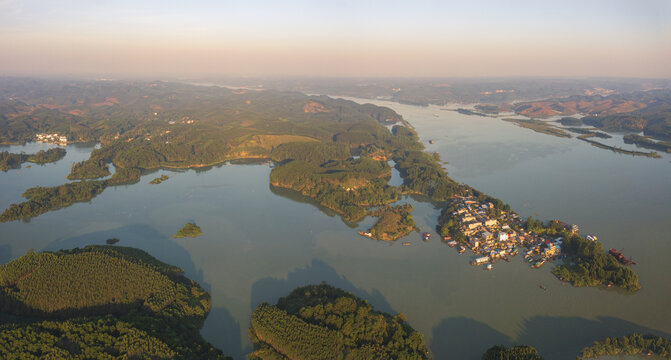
<point>322,38</point>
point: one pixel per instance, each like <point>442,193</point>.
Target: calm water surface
<point>259,243</point>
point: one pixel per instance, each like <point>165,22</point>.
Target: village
<point>493,234</point>
<point>51,139</point>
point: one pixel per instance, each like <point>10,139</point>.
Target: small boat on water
<point>426,236</point>
<point>366,234</point>
<point>452,243</point>
<point>542,287</point>
<point>461,249</point>
<point>538,264</point>
<point>406,244</point>
<point>431,142</point>
<point>489,267</point>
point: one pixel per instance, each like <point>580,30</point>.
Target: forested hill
<point>323,322</point>
<point>101,302</point>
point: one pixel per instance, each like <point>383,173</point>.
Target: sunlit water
<point>259,243</point>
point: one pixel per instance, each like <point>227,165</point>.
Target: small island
<point>393,222</point>
<point>159,180</point>
<point>189,230</point>
<point>112,241</point>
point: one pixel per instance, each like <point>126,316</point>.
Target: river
<point>259,243</point>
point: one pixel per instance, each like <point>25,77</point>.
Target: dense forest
<point>101,302</point>
<point>14,161</point>
<point>323,322</point>
<point>501,352</point>
<point>634,344</point>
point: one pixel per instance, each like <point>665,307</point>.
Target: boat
<point>488,267</point>
<point>538,264</point>
<point>366,234</point>
<point>431,142</point>
<point>543,287</point>
<point>452,243</point>
<point>426,236</point>
<point>461,249</point>
<point>618,255</point>
<point>406,244</point>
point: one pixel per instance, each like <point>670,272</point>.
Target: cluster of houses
<point>51,138</point>
<point>490,233</point>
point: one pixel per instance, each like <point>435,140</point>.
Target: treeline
<point>521,352</point>
<point>591,266</point>
<point>634,344</point>
<point>13,161</point>
<point>322,322</point>
<point>101,302</point>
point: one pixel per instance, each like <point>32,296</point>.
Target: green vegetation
<point>471,112</point>
<point>393,222</point>
<point>589,132</point>
<point>101,302</point>
<point>647,142</point>
<point>189,230</point>
<point>112,241</point>
<point>423,175</point>
<point>501,352</point>
<point>323,322</point>
<point>652,154</point>
<point>570,121</point>
<point>634,344</point>
<point>540,126</point>
<point>160,179</point>
<point>88,170</point>
<point>13,161</point>
<point>589,265</point>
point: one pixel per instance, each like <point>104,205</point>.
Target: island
<point>14,161</point>
<point>112,241</point>
<point>394,222</point>
<point>634,344</point>
<point>127,305</point>
<point>323,322</point>
<point>160,179</point>
<point>189,230</point>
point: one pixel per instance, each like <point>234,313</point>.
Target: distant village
<point>493,237</point>
<point>51,139</point>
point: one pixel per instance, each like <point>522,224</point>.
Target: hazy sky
<point>336,38</point>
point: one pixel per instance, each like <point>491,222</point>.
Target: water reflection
<point>270,289</point>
